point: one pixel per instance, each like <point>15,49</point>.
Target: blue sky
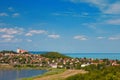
<point>83,26</point>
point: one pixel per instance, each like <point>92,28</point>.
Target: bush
<point>54,55</point>
<point>108,73</point>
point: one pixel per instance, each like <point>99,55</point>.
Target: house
<point>21,51</point>
<point>60,66</point>
<point>53,65</point>
<point>83,65</point>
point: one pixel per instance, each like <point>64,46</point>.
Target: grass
<point>50,72</point>
<point>61,75</point>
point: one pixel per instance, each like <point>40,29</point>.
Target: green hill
<point>6,51</point>
<point>54,55</point>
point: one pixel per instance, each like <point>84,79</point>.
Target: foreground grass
<point>50,72</point>
<point>57,74</point>
<point>106,73</point>
<point>63,75</point>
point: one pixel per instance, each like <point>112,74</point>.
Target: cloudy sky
<point>83,26</point>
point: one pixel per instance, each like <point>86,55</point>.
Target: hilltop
<point>54,55</point>
<point>6,51</point>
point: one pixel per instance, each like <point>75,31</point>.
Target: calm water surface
<point>17,74</point>
<point>113,56</point>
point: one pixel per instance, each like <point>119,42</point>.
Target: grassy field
<point>57,74</point>
<point>6,66</point>
<point>50,72</point>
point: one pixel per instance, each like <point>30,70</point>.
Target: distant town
<point>22,58</point>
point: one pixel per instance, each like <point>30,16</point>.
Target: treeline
<point>54,55</point>
<point>6,51</point>
<point>10,51</point>
<point>98,73</point>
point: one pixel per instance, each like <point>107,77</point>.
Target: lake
<point>17,74</point>
<point>113,56</point>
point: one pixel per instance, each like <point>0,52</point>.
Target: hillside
<point>62,75</point>
<point>6,51</point>
<point>54,55</point>
<point>106,73</point>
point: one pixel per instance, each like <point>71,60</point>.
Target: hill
<point>54,55</point>
<point>6,51</point>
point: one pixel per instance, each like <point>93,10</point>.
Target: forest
<point>98,73</point>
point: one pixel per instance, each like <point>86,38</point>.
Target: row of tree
<point>6,51</point>
<point>54,55</point>
<point>98,73</point>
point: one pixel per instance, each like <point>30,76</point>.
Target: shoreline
<point>6,66</point>
<point>11,67</point>
<point>55,73</point>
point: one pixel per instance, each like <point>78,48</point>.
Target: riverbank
<point>18,74</point>
<point>57,74</point>
<point>6,66</point>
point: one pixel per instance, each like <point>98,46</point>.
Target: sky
<point>82,26</point>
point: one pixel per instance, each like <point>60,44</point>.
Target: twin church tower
<point>21,50</point>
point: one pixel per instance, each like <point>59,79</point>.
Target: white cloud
<point>29,40</point>
<point>56,14</point>
<point>62,14</point>
<point>80,37</point>
<point>105,6</point>
<point>98,3</point>
<point>17,40</point>
<point>7,36</point>
<point>114,38</point>
<point>12,40</point>
<point>85,14</point>
<point>32,32</point>
<point>7,40</point>
<point>100,37</point>
<point>10,34</point>
<point>4,14</point>
<point>54,36</point>
<point>16,14</point>
<point>11,30</point>
<point>113,21</point>
<point>10,8</point>
<point>72,14</point>
<point>113,8</point>
<point>37,31</point>
<point>28,34</point>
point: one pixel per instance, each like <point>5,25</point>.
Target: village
<point>22,58</point>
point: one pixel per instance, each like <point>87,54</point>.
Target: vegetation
<point>26,53</point>
<point>54,55</point>
<point>98,69</point>
<point>50,72</point>
<point>96,73</point>
<point>6,51</point>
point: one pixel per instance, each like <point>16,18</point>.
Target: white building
<point>21,51</point>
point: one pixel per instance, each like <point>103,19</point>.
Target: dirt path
<point>62,76</point>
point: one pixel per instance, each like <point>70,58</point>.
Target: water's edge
<point>13,74</point>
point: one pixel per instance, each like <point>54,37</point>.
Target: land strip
<point>62,76</point>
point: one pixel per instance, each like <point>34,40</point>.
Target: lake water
<point>113,56</point>
<point>17,74</point>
